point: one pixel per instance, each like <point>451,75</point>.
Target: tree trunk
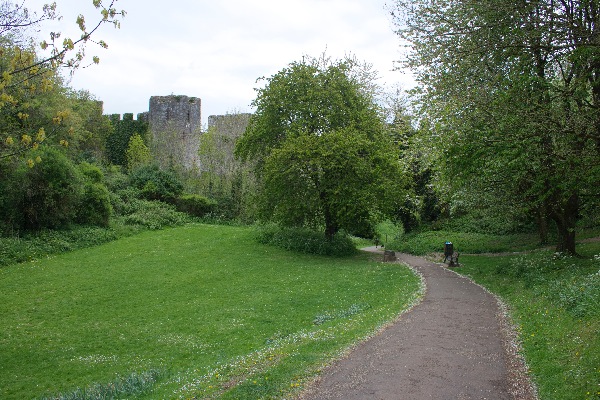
<point>542,223</point>
<point>331,226</point>
<point>565,219</point>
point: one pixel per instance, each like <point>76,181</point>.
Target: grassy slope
<point>205,307</point>
<point>557,313</point>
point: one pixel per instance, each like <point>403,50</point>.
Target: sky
<point>217,49</point>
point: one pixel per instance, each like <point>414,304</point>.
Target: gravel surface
<point>456,344</point>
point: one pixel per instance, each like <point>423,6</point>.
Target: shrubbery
<point>306,241</point>
<point>91,172</point>
<point>195,205</point>
<point>32,246</point>
<point>44,195</point>
<point>94,205</point>
<point>53,193</point>
<point>154,215</point>
<point>156,184</point>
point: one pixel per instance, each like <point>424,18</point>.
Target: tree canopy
<point>30,74</point>
<point>41,185</point>
<point>511,95</point>
<point>321,149</point>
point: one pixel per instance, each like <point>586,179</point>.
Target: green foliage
<point>53,193</point>
<point>563,276</point>
<point>132,216</point>
<point>388,232</point>
<point>306,241</point>
<point>94,206</point>
<point>503,222</point>
<point>124,201</point>
<point>509,106</point>
<point>35,106</point>
<point>137,153</point>
<point>91,172</point>
<point>45,195</point>
<point>33,246</point>
<point>195,205</point>
<point>88,126</point>
<point>154,215</point>
<point>115,178</point>
<point>124,130</point>
<point>156,183</point>
<point>580,296</point>
<point>320,149</point>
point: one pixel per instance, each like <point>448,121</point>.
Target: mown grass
<point>190,312</point>
<point>555,303</point>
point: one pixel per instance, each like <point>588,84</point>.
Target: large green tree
<point>511,92</point>
<point>321,149</point>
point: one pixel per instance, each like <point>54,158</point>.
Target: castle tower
<point>175,127</point>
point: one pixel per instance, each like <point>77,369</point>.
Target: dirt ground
<point>455,344</point>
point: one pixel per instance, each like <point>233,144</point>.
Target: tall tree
<point>512,94</point>
<point>28,71</point>
<point>320,148</point>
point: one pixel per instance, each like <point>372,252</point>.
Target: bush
<point>156,184</point>
<point>115,179</point>
<point>94,204</point>
<point>580,296</point>
<point>306,241</point>
<point>94,207</point>
<point>45,195</point>
<point>195,205</point>
<point>154,215</point>
<point>91,172</point>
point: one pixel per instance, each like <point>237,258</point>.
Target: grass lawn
<point>191,312</point>
<point>555,302</point>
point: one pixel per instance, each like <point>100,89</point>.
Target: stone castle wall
<point>232,125</point>
<point>175,127</point>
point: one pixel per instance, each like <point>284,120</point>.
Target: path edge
<point>522,387</point>
<point>310,384</point>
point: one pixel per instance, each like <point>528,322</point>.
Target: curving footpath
<point>453,345</point>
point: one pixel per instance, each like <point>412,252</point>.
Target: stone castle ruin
<point>175,128</point>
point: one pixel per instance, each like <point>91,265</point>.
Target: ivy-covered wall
<point>122,131</point>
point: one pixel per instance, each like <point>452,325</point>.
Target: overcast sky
<point>216,49</point>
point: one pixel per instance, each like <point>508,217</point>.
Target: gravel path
<point>453,345</point>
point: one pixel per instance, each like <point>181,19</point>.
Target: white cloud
<point>217,50</point>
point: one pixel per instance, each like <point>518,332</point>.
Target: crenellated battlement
<point>175,126</point>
